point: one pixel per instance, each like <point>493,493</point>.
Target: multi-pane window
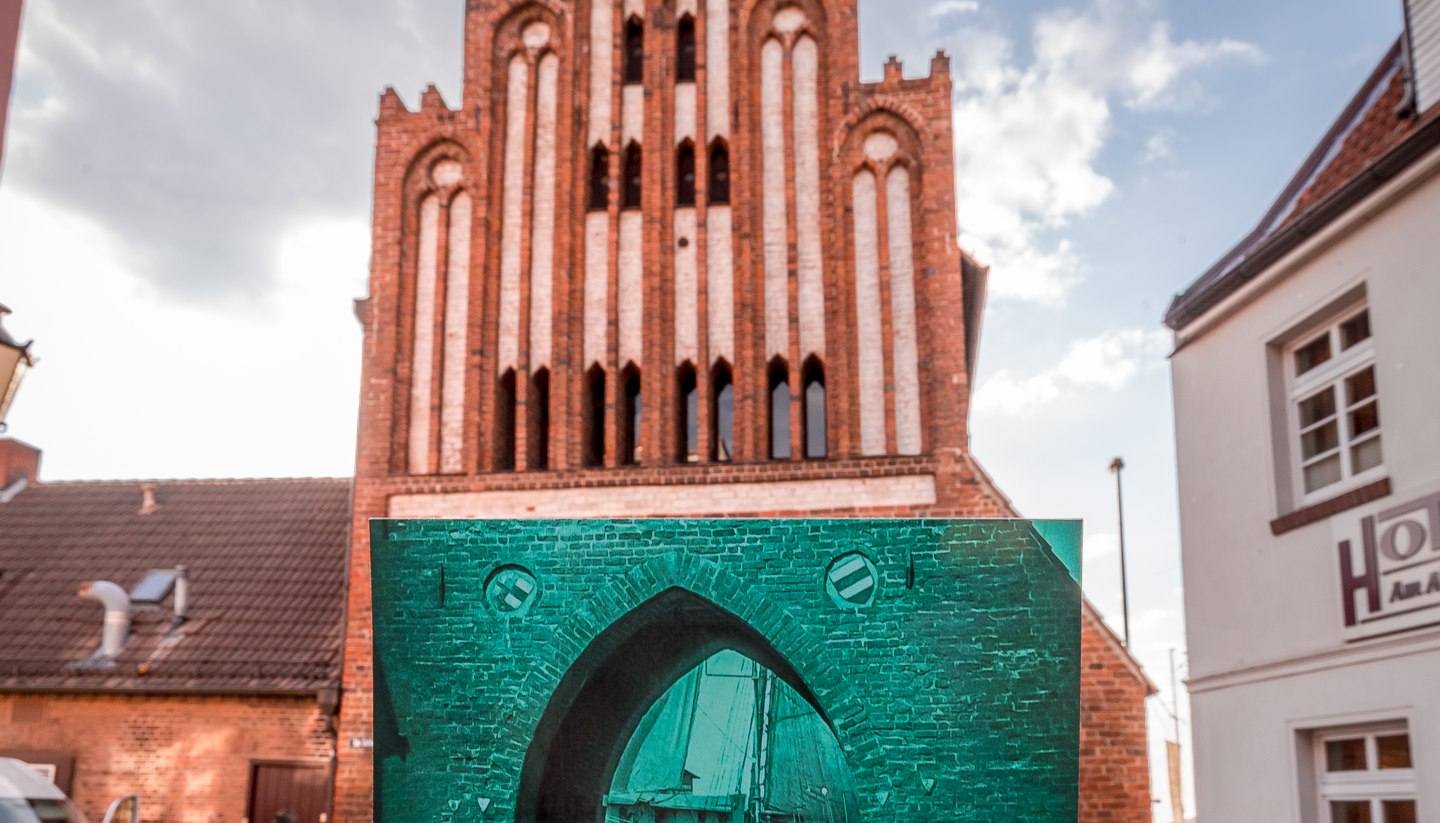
<point>1334,406</point>
<point>1365,776</point>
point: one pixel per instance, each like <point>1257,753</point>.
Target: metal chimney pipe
<point>182,597</point>
<point>117,614</point>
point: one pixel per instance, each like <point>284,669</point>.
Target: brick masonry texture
<point>728,317</point>
<point>970,678</point>
<point>189,758</point>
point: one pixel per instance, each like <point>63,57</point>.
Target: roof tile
<point>265,561</point>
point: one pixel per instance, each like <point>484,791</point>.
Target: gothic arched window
<point>813,378</point>
<point>505,423</point>
<point>537,430</point>
<point>634,178</point>
<point>722,414</point>
<point>595,417</point>
<point>685,50</point>
<point>685,175</point>
<point>779,410</point>
<point>719,174</point>
<point>634,51</point>
<point>599,178</point>
<point>630,416</point>
<point>687,417</point>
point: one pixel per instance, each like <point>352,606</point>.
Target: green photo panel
<point>725,671</point>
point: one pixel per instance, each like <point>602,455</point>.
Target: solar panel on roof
<point>153,588</point>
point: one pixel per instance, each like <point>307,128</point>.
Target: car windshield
<point>39,811</point>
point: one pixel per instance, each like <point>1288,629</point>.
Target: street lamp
<point>1116,466</point>
<point>14,360</point>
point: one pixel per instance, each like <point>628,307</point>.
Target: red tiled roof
<point>1364,148</point>
<point>265,560</point>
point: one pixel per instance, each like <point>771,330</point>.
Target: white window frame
<point>1342,365</point>
<point>45,770</point>
<point>1373,784</point>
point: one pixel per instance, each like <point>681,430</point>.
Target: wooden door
<point>288,793</point>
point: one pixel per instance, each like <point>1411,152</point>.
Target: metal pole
<point>1116,466</point>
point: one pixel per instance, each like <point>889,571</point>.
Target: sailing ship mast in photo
<point>730,742</point>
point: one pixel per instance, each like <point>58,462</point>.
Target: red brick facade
<point>188,758</point>
<point>427,159</point>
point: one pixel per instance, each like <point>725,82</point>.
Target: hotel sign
<point>1390,568</point>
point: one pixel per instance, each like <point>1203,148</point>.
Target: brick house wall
<point>1114,755</point>
<point>452,301</point>
<point>188,757</point>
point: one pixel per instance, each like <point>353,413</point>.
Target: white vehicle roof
<point>20,782</point>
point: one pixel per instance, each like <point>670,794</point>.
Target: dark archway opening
<point>612,690</point>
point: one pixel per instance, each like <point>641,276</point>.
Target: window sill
<point>1329,508</point>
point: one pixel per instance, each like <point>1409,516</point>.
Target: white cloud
<point>1107,362</point>
<point>1029,138</point>
<point>1157,147</point>
<point>944,8</point>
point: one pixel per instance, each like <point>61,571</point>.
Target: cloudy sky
<point>185,201</point>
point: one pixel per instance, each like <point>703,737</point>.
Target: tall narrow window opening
<point>814,379</point>
<point>685,50</point>
<point>719,174</point>
<point>505,423</point>
<point>599,178</point>
<point>634,51</point>
<point>685,175</point>
<point>779,410</point>
<point>537,430</point>
<point>595,417</point>
<point>687,416</point>
<point>634,177</point>
<point>722,414</point>
<point>630,417</point>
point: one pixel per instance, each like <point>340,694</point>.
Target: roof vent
<point>1422,32</point>
<point>147,503</point>
<point>117,615</point>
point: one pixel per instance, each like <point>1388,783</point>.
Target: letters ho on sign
<point>1390,568</point>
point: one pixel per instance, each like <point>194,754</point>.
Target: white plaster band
<point>422,364</point>
<point>602,69</point>
<point>720,283</point>
<point>597,286</point>
<point>776,210</point>
<point>542,221</point>
<point>810,269</point>
<point>687,287</point>
<point>708,500</point>
<point>868,325</point>
<point>717,68</point>
<point>512,214</point>
<point>630,305</point>
<point>457,338</point>
<point>906,368</point>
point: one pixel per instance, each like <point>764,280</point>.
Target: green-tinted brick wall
<point>955,692</point>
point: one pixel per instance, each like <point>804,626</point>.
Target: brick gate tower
<point>672,258</point>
